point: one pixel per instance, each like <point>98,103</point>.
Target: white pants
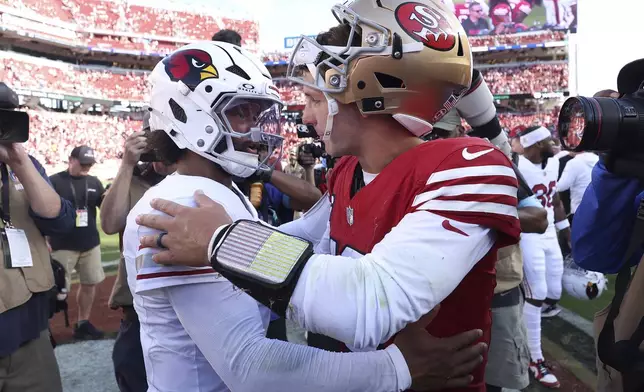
<point>542,265</point>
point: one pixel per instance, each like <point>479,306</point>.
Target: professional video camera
<point>614,126</point>
<point>149,155</point>
<point>14,125</point>
<point>316,148</point>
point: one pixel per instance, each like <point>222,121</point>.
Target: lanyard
<point>71,185</point>
<point>5,195</point>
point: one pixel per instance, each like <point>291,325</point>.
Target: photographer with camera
<point>30,209</point>
<point>608,229</point>
<point>139,171</point>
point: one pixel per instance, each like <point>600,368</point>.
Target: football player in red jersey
<point>407,224</point>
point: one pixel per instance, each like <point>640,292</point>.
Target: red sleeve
<point>474,185</point>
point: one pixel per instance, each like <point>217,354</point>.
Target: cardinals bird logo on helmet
<point>191,66</point>
<point>218,101</point>
<point>582,284</point>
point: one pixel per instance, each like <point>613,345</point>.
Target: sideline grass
<point>109,244</point>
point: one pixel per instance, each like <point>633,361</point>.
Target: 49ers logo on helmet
<point>427,25</point>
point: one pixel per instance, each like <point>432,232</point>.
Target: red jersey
<point>453,179</point>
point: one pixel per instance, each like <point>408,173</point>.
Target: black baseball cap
<point>84,154</point>
<point>631,77</point>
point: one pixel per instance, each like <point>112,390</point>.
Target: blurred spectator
<point>477,22</point>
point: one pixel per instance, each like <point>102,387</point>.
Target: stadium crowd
<point>530,79</point>
<point>53,135</point>
<point>535,37</point>
<point>60,138</point>
<point>122,17</point>
<point>46,75</point>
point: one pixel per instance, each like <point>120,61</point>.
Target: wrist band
<point>562,224</point>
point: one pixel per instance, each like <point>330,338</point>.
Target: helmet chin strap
<point>332,105</point>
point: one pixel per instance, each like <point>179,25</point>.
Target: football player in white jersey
<point>542,259</point>
<point>217,107</point>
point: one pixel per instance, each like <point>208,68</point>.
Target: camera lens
<point>602,124</point>
<point>572,122</point>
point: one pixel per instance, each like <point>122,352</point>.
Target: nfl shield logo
<point>350,216</point>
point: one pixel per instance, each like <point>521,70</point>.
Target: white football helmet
<point>218,101</point>
<point>582,284</point>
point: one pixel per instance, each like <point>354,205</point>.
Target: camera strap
<point>624,355</point>
<point>6,217</point>
<point>77,205</point>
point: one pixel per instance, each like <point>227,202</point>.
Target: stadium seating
<point>119,24</point>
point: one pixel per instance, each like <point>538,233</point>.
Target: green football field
<point>109,244</point>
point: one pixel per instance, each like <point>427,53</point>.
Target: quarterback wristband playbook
<point>260,260</point>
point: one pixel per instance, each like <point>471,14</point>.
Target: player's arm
<point>303,195</point>
<point>567,177</point>
<point>231,335</point>
<point>557,204</point>
<point>232,338</point>
<point>115,205</point>
<point>312,225</point>
<point>452,223</point>
<point>116,200</point>
<point>532,216</point>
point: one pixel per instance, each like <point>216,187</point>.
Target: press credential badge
<point>18,248</point>
<point>81,218</point>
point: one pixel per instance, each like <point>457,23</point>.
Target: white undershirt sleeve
<point>312,224</point>
<point>416,266</point>
<point>231,336</point>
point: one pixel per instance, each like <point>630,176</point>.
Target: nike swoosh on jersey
<point>448,226</point>
<point>468,156</point>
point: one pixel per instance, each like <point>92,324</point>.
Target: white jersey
<point>199,333</point>
<point>162,334</point>
<point>543,182</point>
<point>576,177</point>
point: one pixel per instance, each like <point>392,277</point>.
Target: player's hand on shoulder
<point>185,231</point>
<point>439,363</point>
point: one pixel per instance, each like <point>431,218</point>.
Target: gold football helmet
<point>413,62</point>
